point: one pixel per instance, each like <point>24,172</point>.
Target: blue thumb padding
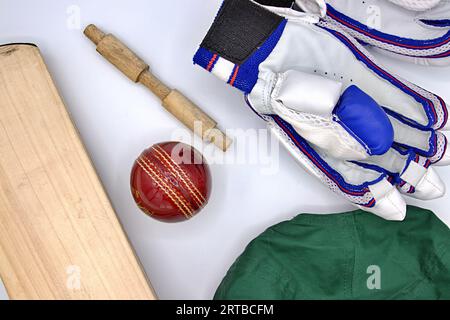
<point>365,120</point>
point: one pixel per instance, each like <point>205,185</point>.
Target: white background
<point>117,120</point>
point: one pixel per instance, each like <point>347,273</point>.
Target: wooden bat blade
<point>3,294</point>
<point>59,235</point>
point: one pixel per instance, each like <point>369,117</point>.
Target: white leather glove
<point>367,134</point>
<point>415,30</point>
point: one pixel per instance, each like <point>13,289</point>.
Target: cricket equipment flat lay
<point>350,256</point>
<point>363,131</point>
<point>416,30</point>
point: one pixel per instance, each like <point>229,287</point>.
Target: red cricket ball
<point>171,182</point>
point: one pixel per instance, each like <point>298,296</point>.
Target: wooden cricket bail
<point>174,101</point>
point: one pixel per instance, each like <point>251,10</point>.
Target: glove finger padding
<point>425,142</point>
<point>347,120</point>
<point>365,187</point>
<point>416,5</point>
<point>417,31</point>
<point>412,173</point>
<point>438,16</point>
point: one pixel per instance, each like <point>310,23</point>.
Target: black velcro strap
<point>240,28</point>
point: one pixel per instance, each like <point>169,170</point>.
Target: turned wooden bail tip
<point>94,34</point>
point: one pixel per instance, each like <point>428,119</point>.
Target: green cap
<point>354,255</point>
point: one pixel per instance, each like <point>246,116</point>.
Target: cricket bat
<point>59,235</point>
<point>3,295</point>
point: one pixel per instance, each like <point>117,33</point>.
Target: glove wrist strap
<point>241,37</point>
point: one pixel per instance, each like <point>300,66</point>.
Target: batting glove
<point>366,133</point>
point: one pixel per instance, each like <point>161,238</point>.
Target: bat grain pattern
<point>59,235</point>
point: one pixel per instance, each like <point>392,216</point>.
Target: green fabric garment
<point>342,256</point>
